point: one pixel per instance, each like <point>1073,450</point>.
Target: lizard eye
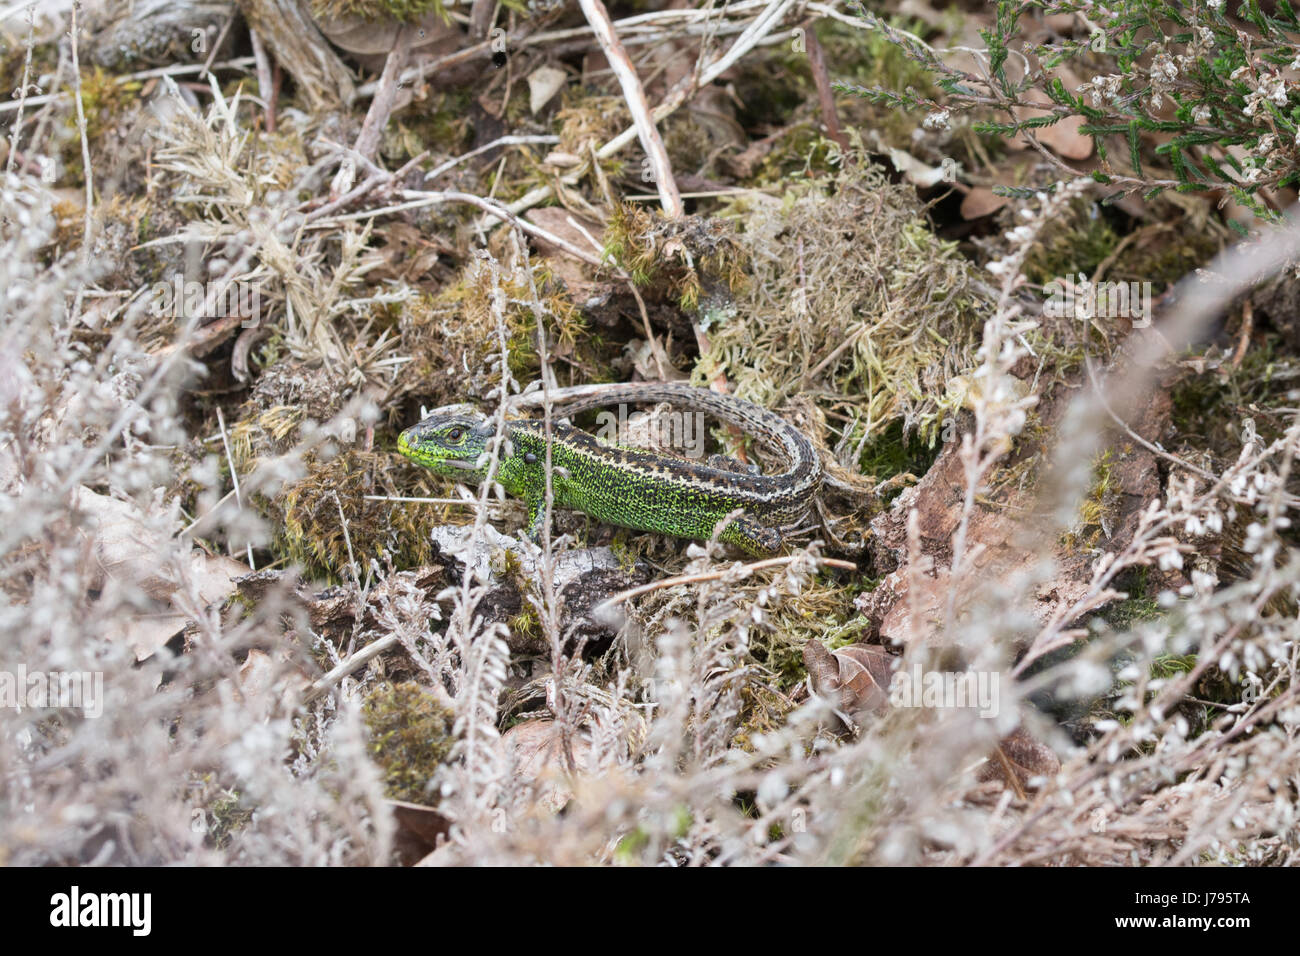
<point>456,434</point>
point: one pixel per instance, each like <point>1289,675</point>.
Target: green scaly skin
<point>633,489</point>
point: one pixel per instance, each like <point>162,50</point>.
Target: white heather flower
<point>937,120</point>
<point>1164,68</point>
<point>1170,559</point>
<point>1254,537</point>
<point>997,267</point>
<point>1201,114</point>
<point>1274,87</point>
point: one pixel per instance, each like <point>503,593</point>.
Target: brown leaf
<point>1063,138</point>
<point>543,759</point>
<point>1004,546</point>
<point>564,224</point>
<point>420,830</point>
<point>359,35</point>
<point>857,676</point>
<point>131,552</point>
<point>865,674</point>
<point>1018,759</point>
<point>578,277</point>
<point>822,668</point>
<point>981,201</point>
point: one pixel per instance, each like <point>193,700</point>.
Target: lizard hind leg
<point>751,537</point>
<point>727,463</point>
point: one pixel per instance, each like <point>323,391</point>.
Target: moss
<point>410,737</point>
<point>631,845</point>
<point>103,100</point>
<point>892,453</point>
<point>822,611</point>
<point>13,54</point>
<point>1209,406</point>
<point>1098,505</point>
<point>869,58</point>
<point>525,624</point>
<point>776,89</point>
<point>311,515</point>
<point>1075,243</point>
<point>1166,666</point>
<point>763,710</point>
<point>679,258</point>
<point>629,244</point>
<point>443,124</point>
<point>588,119</point>
<point>226,815</point>
<point>446,335</point>
<point>850,295</point>
<point>219,812</point>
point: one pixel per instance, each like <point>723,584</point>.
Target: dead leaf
<point>857,676</point>
<point>1004,547</point>
<point>420,830</point>
<point>208,337</point>
<point>914,171</point>
<point>1018,759</point>
<point>129,551</point>
<point>1063,138</point>
<point>358,35</point>
<point>981,201</point>
<point>543,83</point>
<point>573,229</point>
<point>257,673</point>
<point>578,277</point>
<point>542,758</point>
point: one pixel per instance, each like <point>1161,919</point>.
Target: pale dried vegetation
<point>299,667</point>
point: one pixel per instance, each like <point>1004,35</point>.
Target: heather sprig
<point>1212,86</point>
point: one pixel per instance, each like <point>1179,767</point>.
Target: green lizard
<point>634,489</point>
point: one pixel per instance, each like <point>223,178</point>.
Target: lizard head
<point>451,441</point>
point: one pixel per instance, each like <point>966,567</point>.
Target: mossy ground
<point>410,737</point>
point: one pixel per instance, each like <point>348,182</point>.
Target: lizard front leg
<point>536,518</point>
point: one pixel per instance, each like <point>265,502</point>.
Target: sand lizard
<point>627,487</point>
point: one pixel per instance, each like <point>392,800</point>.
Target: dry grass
<point>1147,709</point>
